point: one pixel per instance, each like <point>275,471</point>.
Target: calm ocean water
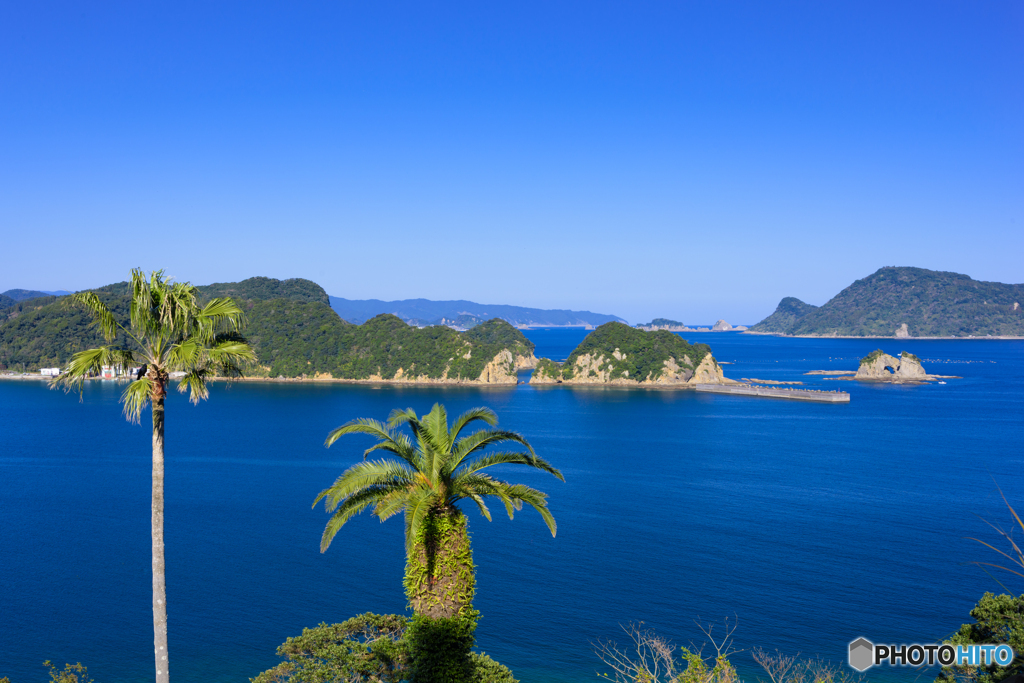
<point>809,524</point>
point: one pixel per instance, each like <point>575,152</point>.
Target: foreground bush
<point>374,648</point>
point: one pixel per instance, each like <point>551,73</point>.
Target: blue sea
<point>806,525</point>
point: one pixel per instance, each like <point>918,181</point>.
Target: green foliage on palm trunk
<point>439,573</point>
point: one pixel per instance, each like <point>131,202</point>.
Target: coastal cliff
<point>616,354</point>
<point>501,369</point>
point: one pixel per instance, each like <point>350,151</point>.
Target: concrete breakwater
<point>772,392</point>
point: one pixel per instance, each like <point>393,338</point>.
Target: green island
<point>620,354</point>
<point>294,332</point>
<point>906,302</point>
<point>663,322</point>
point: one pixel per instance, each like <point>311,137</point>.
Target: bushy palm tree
<point>169,331</point>
<point>425,479</point>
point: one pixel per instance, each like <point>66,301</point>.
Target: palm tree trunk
<point>159,582</point>
<point>440,576</point>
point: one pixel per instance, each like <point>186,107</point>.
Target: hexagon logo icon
<point>862,653</point>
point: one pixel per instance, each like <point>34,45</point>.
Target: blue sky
<point>688,160</point>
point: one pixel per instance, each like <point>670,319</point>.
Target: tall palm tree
<point>168,331</point>
<point>427,476</point>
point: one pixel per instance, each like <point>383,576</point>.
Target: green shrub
<point>377,648</point>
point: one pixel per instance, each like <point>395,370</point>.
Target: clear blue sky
<point>686,160</point>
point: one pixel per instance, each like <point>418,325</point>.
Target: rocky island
<point>616,354</point>
<point>879,366</point>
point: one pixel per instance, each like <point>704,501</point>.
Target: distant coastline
<point>850,336</point>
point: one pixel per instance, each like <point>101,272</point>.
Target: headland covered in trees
<point>906,302</point>
<point>295,334</point>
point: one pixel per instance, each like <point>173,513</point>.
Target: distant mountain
<point>24,294</point>
<point>906,302</point>
<point>464,313</point>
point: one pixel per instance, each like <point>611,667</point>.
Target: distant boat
<point>941,382</point>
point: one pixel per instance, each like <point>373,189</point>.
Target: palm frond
<point>435,424</point>
<point>364,475</point>
<point>483,485</point>
<point>400,416</point>
<point>390,440</point>
<point>186,354</point>
<point>102,316</point>
<point>509,458</point>
<point>220,314</point>
<point>136,397</point>
<point>481,440</point>
<point>393,500</point>
<point>141,307</point>
<point>535,499</point>
<point>231,350</point>
<point>470,416</point>
<point>362,425</point>
<point>418,506</point>
<point>194,382</point>
<point>352,506</point>
<point>400,446</point>
<point>90,362</point>
<point>480,504</point>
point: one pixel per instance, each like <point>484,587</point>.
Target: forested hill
<point>43,332</point>
<point>293,330</point>
<point>265,288</point>
<point>930,303</point>
<point>463,313</point>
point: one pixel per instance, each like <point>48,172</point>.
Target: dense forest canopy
<point>265,289</point>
